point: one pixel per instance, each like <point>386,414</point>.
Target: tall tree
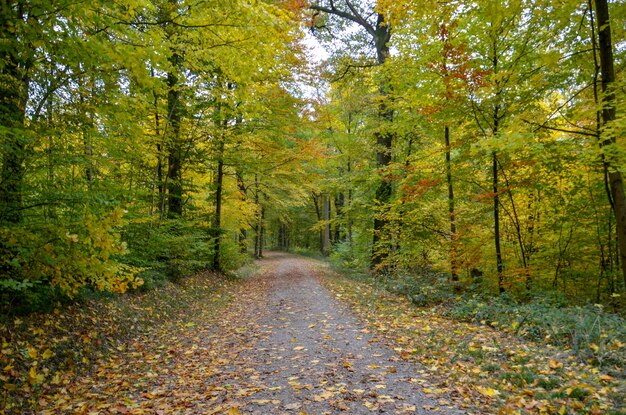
<point>379,32</point>
<point>16,54</point>
<point>605,50</point>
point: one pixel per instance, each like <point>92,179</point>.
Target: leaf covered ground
<point>287,340</point>
<point>483,365</point>
<point>43,355</point>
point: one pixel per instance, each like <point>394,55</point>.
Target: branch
<point>562,130</point>
<point>370,29</point>
<point>351,66</point>
<point>356,18</point>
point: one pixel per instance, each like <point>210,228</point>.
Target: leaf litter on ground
<point>483,365</point>
<point>187,349</point>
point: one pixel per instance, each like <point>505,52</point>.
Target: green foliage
<point>590,331</point>
<point>168,251</point>
<point>84,254</point>
<point>344,256</point>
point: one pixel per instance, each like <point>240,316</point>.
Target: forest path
<point>306,353</point>
<point>284,345</point>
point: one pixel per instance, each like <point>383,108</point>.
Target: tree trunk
<point>616,182</point>
<point>384,141</point>
<point>494,156</point>
<point>174,157</point>
<point>380,33</point>
<point>496,223</point>
<point>217,220</point>
<point>174,117</point>
<point>261,232</point>
<point>326,234</point>
<point>13,97</point>
<point>243,233</point>
<point>258,222</point>
<point>453,263</point>
<point>318,212</point>
<point>159,166</point>
<point>340,235</point>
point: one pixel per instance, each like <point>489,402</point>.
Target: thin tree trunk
<point>340,235</point>
<point>87,142</point>
<point>159,167</point>
<point>496,224</point>
<point>262,232</point>
<point>258,250</point>
<point>217,219</point>
<point>453,237</point>
<point>318,212</point>
<point>243,233</point>
<point>174,157</point>
<point>349,205</point>
<point>326,237</point>
<point>518,231</point>
<point>494,156</point>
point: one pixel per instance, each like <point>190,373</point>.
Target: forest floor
<point>295,338</point>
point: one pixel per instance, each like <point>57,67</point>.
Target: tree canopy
<point>148,139</point>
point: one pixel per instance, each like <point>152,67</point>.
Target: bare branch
<point>358,19</point>
<point>562,130</point>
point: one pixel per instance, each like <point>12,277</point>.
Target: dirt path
<point>310,354</point>
<point>285,345</point>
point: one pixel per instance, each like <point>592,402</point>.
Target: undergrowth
<point>495,355</point>
<point>593,333</point>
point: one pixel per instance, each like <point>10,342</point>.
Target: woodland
<point>465,152</point>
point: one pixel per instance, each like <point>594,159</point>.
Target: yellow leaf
<point>607,378</point>
<point>489,392</point>
<point>32,352</point>
<point>47,354</point>
<point>594,347</point>
<point>233,411</point>
<point>33,377</point>
<point>555,364</point>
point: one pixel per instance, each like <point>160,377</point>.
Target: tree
<point>605,51</point>
<point>380,33</point>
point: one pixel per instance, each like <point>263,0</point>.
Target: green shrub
<point>170,250</point>
<point>40,263</point>
<point>589,331</point>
